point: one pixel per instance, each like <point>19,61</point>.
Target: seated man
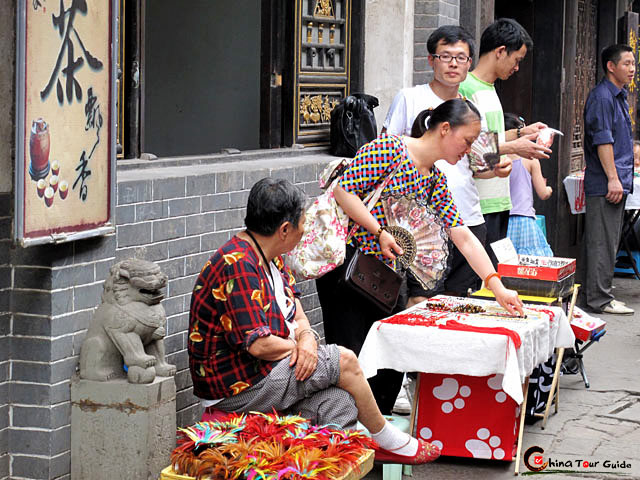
<point>251,347</point>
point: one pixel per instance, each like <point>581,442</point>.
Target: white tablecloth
<point>429,349</point>
<point>574,186</point>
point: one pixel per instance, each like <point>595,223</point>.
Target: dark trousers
<point>497,225</point>
<point>461,277</point>
<point>602,229</point>
<point>347,317</point>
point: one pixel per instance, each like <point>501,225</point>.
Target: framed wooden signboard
<point>65,120</point>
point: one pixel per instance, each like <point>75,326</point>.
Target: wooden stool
<point>394,471</point>
<point>212,414</point>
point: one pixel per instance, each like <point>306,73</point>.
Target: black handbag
<point>353,124</point>
<point>374,280</point>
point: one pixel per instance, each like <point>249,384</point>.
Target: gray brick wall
<point>429,15</point>
<point>178,216</point>
<point>175,216</point>
<point>6,279</point>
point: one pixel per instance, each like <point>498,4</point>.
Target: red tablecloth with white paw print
<point>468,416</point>
<point>477,358</point>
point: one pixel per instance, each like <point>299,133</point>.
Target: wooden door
<point>585,74</point>
<point>321,66</point>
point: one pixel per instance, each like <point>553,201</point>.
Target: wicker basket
<point>365,464</point>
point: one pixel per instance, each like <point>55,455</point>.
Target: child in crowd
<point>528,238</point>
<point>636,156</point>
<point>525,234</point>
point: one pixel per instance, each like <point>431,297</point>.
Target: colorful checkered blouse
<point>377,159</point>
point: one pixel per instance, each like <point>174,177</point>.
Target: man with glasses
<point>503,45</point>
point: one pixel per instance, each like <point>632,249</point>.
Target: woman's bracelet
<point>311,331</point>
<point>379,232</point>
<point>489,277</point>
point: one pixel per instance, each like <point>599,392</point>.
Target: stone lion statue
<point>129,325</point>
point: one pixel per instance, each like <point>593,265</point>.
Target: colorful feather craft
<point>267,446</point>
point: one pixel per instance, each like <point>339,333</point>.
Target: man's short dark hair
<point>507,32</point>
<point>450,34</point>
<point>271,203</point>
<point>613,53</point>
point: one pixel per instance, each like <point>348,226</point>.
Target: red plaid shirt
<point>232,305</point>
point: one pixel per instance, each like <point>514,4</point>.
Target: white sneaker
<point>402,405</point>
<point>617,308</point>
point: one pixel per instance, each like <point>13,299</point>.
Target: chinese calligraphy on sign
<point>66,153</point>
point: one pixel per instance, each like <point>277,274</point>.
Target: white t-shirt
<point>406,106</point>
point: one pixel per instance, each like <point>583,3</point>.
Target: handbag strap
<point>373,197</point>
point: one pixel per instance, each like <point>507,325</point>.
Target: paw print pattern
<point>495,383</point>
<point>485,445</point>
<point>448,390</point>
<point>426,434</point>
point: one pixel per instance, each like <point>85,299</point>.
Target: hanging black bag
<point>353,124</point>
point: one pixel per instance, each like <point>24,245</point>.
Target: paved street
<point>600,423</point>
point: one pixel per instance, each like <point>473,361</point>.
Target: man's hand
<point>526,147</point>
<point>614,191</point>
<point>503,169</point>
<point>389,246</point>
<point>305,357</point>
<point>533,128</point>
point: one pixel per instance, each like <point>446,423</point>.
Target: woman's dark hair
<point>507,32</point>
<point>271,203</point>
<point>457,112</point>
<point>450,34</point>
<point>613,53</point>
<point>512,121</point>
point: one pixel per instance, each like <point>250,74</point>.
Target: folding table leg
<point>583,372</point>
<point>523,411</point>
<point>414,406</point>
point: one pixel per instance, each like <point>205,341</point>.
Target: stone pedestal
<point>122,430</point>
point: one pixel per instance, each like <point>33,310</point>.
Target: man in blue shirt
<point>608,178</point>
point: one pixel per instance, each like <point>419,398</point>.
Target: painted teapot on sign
<point>39,149</point>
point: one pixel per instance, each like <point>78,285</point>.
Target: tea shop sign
<point>65,139</point>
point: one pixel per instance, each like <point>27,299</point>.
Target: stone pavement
<point>595,424</point>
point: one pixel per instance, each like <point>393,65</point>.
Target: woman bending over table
<point>444,133</point>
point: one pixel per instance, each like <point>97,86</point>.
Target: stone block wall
<point>175,215</point>
<point>178,216</point>
<point>5,329</point>
<point>428,16</point>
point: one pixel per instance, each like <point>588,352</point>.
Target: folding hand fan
<point>422,236</point>
<point>485,154</point>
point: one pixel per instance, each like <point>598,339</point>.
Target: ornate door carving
<point>585,73</point>
<point>321,66</point>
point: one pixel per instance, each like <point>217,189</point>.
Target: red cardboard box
<point>540,276</point>
<point>539,268</point>
<point>468,416</point>
<point>585,326</point>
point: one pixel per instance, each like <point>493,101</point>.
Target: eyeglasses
<point>446,58</point>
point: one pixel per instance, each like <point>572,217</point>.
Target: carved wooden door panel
<point>585,74</point>
<point>321,66</point>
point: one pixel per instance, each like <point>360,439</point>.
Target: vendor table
<point>490,354</point>
<point>574,186</point>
